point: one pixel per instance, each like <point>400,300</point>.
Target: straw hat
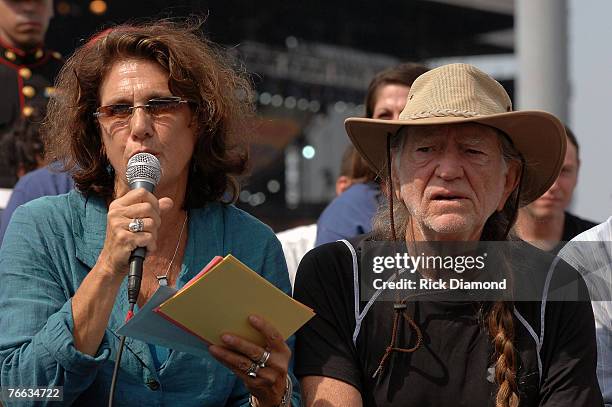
<point>460,93</point>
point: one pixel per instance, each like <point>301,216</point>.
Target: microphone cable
<point>111,396</point>
<point>143,171</point>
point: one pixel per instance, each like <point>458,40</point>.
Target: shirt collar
<point>18,56</point>
<point>89,226</point>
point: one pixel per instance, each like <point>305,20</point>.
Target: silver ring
<point>136,225</point>
<point>263,359</point>
<point>252,370</point>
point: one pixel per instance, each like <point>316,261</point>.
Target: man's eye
<point>424,149</point>
<point>474,152</point>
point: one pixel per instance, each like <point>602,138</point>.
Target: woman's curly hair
<point>198,70</point>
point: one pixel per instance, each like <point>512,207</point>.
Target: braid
<point>501,322</point>
<point>501,329</point>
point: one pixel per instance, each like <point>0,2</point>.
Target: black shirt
<point>454,364</point>
<point>573,226</point>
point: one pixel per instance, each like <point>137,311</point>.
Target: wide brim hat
<point>460,93</point>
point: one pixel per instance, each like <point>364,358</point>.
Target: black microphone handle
<point>138,255</point>
<point>135,274</point>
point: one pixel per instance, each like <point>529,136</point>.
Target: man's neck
<point>7,42</point>
<point>544,232</point>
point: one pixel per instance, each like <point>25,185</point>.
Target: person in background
<point>298,241</point>
<point>160,88</point>
<point>591,254</point>
<point>546,223</point>
<point>27,68</point>
<point>22,148</point>
<point>350,214</point>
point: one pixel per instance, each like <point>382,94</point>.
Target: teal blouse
<point>50,246</point>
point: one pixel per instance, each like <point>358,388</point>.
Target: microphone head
<point>143,167</point>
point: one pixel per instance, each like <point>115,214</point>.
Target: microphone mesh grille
<point>143,167</point>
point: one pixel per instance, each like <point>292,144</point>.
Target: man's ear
<point>342,184</point>
<point>512,179</point>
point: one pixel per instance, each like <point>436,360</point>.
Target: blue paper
<point>150,327</point>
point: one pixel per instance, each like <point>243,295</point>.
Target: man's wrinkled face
<point>451,179</point>
<point>24,23</point>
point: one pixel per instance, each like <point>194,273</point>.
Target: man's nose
<point>449,165</point>
<point>554,188</point>
<point>28,5</point>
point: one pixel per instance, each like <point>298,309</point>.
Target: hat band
<point>442,113</point>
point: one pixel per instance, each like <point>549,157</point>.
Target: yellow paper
<point>222,299</point>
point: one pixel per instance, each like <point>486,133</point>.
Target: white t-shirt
<point>296,243</point>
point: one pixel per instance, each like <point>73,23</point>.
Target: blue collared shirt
<point>51,244</point>
<point>349,214</point>
<point>41,182</point>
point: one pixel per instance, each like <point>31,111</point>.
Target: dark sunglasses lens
<point>117,110</point>
<point>161,106</point>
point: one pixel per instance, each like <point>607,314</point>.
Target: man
<point>27,69</point>
<point>454,165</point>
<point>591,254</point>
<point>545,223</point>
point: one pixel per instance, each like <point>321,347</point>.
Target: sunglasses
<point>154,107</point>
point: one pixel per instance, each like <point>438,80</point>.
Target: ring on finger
<point>136,225</point>
<point>252,370</point>
<point>263,359</point>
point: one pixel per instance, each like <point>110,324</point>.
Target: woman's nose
<point>141,123</point>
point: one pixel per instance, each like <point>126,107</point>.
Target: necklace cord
<point>164,277</point>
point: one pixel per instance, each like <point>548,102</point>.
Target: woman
<point>459,162</point>
<point>157,88</point>
<point>350,214</point>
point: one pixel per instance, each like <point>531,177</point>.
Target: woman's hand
<point>269,385</point>
<point>120,241</point>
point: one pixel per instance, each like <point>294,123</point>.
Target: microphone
<point>143,171</point>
